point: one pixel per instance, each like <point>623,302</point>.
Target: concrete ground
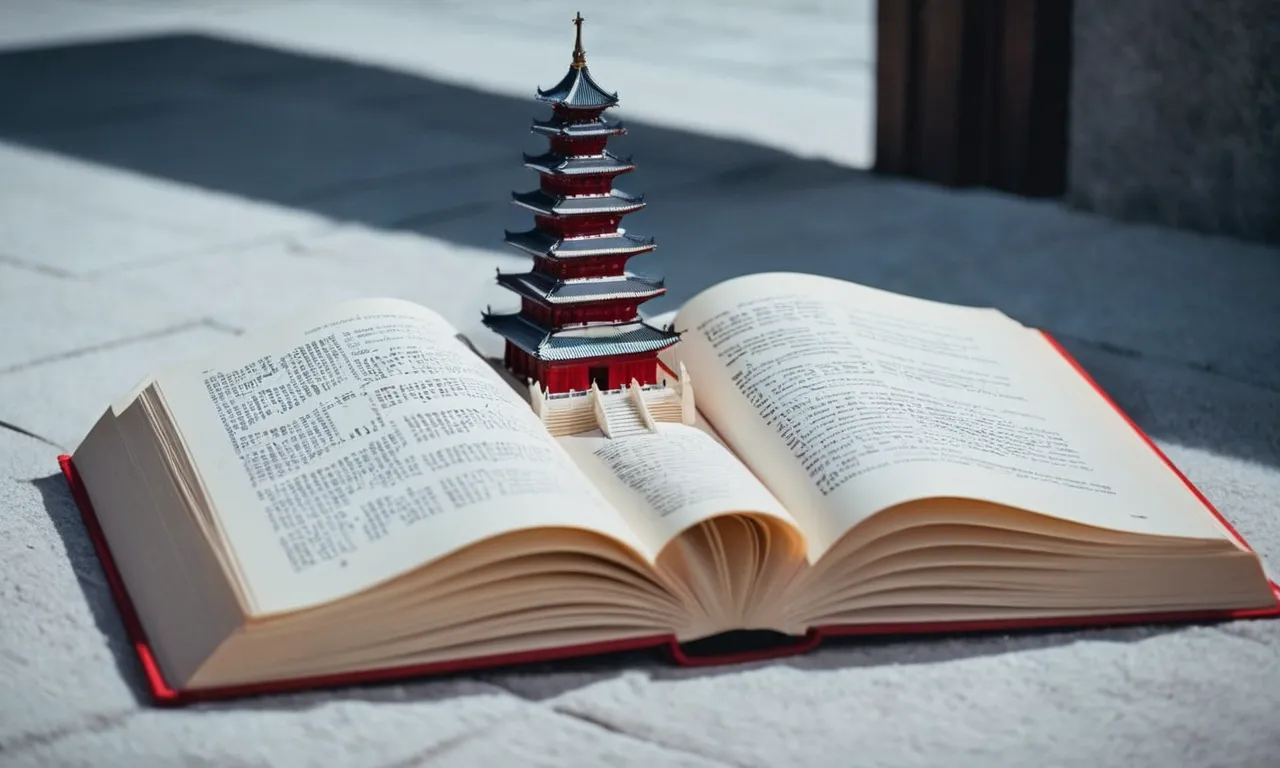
<point>173,174</point>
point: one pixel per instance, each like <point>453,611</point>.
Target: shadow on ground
<point>350,142</point>
<point>1179,328</point>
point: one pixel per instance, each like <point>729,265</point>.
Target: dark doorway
<point>974,92</point>
<point>599,375</point>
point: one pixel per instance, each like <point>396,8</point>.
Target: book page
<point>358,443</point>
<point>671,480</point>
<point>846,400</point>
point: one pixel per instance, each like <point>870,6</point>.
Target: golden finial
<point>579,54</point>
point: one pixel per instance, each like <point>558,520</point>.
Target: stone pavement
<point>172,174</point>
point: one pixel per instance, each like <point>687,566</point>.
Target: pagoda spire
<point>579,53</point>
<point>577,91</point>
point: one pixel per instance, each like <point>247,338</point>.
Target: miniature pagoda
<point>578,330</point>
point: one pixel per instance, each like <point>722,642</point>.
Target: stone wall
<point>1175,113</point>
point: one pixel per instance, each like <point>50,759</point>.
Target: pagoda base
<point>628,410</point>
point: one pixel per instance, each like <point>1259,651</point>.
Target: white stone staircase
<point>622,418</point>
<point>571,413</point>
<point>665,405</point>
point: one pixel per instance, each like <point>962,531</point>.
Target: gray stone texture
<point>44,316</point>
<point>1175,113</point>
<point>59,399</point>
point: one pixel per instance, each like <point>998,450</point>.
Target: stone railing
<point>597,410</point>
<point>638,400</point>
<point>684,389</point>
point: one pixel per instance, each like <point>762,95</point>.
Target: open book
<point>357,494</point>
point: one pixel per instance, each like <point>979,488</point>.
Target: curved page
<point>847,400</point>
<point>357,443</point>
<point>669,481</point>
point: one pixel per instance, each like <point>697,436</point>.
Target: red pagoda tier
<point>579,324</point>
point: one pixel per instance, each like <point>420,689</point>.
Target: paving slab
<point>893,234</point>
<point>60,624</point>
<point>44,316</point>
<point>780,57</point>
<point>32,23</point>
<point>256,286</point>
<point>1210,302</point>
<point>1244,491</point>
<point>1187,405</point>
<point>303,731</point>
<point>264,149</point>
<point>72,217</point>
<point>459,282</point>
<point>337,138</point>
<point>61,399</point>
<point>541,737</point>
<point>47,232</point>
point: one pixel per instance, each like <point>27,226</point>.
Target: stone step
<point>623,418</point>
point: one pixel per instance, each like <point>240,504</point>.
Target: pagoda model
<point>578,329</point>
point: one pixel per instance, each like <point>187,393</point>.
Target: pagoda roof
<point>552,162</point>
<point>581,342</point>
<point>540,287</point>
<point>578,90</point>
<point>590,129</point>
<point>616,201</point>
<point>539,243</point>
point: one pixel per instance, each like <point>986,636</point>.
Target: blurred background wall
<point>1175,113</point>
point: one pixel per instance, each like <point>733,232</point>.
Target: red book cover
<point>164,694</point>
